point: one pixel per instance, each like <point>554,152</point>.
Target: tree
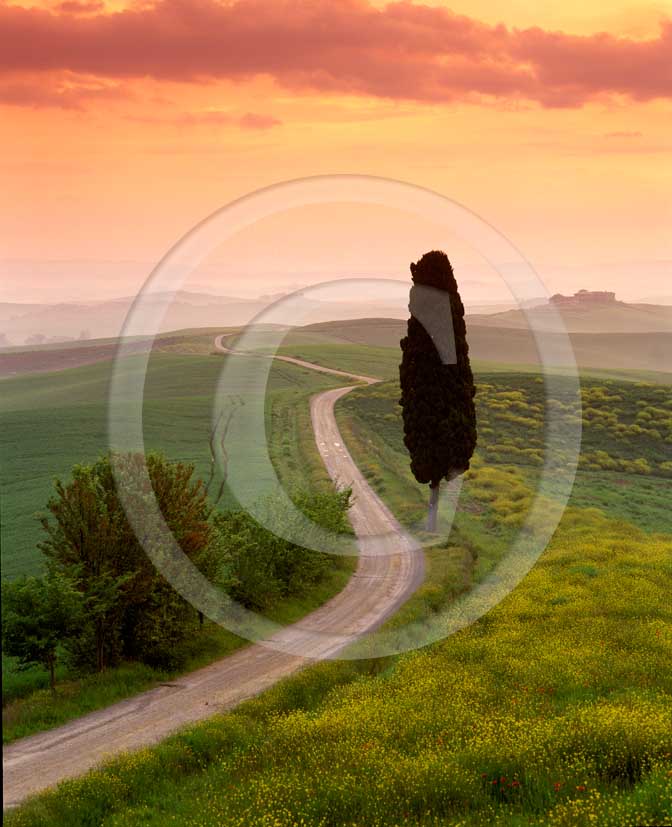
<point>437,388</point>
<point>264,568</point>
<point>39,615</point>
<point>130,610</point>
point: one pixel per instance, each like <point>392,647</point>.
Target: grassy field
<point>17,361</point>
<point>384,362</point>
<point>602,355</point>
<point>553,709</point>
<point>53,420</point>
<point>50,421</point>
<point>626,454</point>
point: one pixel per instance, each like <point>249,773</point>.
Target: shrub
<point>265,567</point>
<point>129,610</point>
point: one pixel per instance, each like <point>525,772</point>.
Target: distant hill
<point>42,324</point>
<point>490,343</point>
<point>372,332</point>
<point>54,357</point>
<point>585,312</point>
<point>605,332</point>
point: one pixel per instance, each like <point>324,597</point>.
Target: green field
<point>625,465</point>
<point>554,709</point>
<point>54,420</point>
<point>626,356</point>
<point>384,361</point>
<point>51,421</point>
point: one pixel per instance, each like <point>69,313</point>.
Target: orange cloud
<point>58,91</point>
<point>215,117</point>
<point>75,7</point>
<point>398,51</point>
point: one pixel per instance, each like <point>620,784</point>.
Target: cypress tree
<point>437,385</point>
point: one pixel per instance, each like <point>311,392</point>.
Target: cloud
<point>75,7</point>
<point>250,120</point>
<point>215,117</point>
<point>401,51</point>
<point>62,92</point>
<point>582,67</point>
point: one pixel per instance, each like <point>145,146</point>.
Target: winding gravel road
<point>390,568</point>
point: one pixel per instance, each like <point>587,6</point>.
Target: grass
<point>641,500</point>
<point>383,361</point>
<point>653,377</point>
<point>554,709</point>
<point>52,421</point>
<point>380,362</point>
<point>626,427</point>
<point>29,706</point>
<point>449,571</point>
<point>626,454</point>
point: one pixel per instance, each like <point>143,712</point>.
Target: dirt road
<point>389,569</point>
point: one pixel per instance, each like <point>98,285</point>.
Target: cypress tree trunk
<point>433,507</point>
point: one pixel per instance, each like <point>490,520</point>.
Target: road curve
<point>222,348</point>
<point>390,567</point>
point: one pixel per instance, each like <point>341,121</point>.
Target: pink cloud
<point>215,117</point>
<point>587,66</point>
<point>402,51</point>
<point>250,120</point>
<point>75,7</point>
<point>64,92</point>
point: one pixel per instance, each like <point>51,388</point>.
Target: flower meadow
<point>554,709</point>
<point>627,426</point>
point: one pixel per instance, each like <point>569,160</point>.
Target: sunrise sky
<point>124,123</point>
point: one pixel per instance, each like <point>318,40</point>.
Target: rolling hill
<point>621,351</point>
<point>648,351</point>
<point>39,324</point>
<point>585,312</point>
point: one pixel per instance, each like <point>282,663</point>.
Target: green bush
<point>129,609</point>
<point>38,615</point>
<point>264,567</point>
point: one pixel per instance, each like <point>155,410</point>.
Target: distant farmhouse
<point>585,298</point>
